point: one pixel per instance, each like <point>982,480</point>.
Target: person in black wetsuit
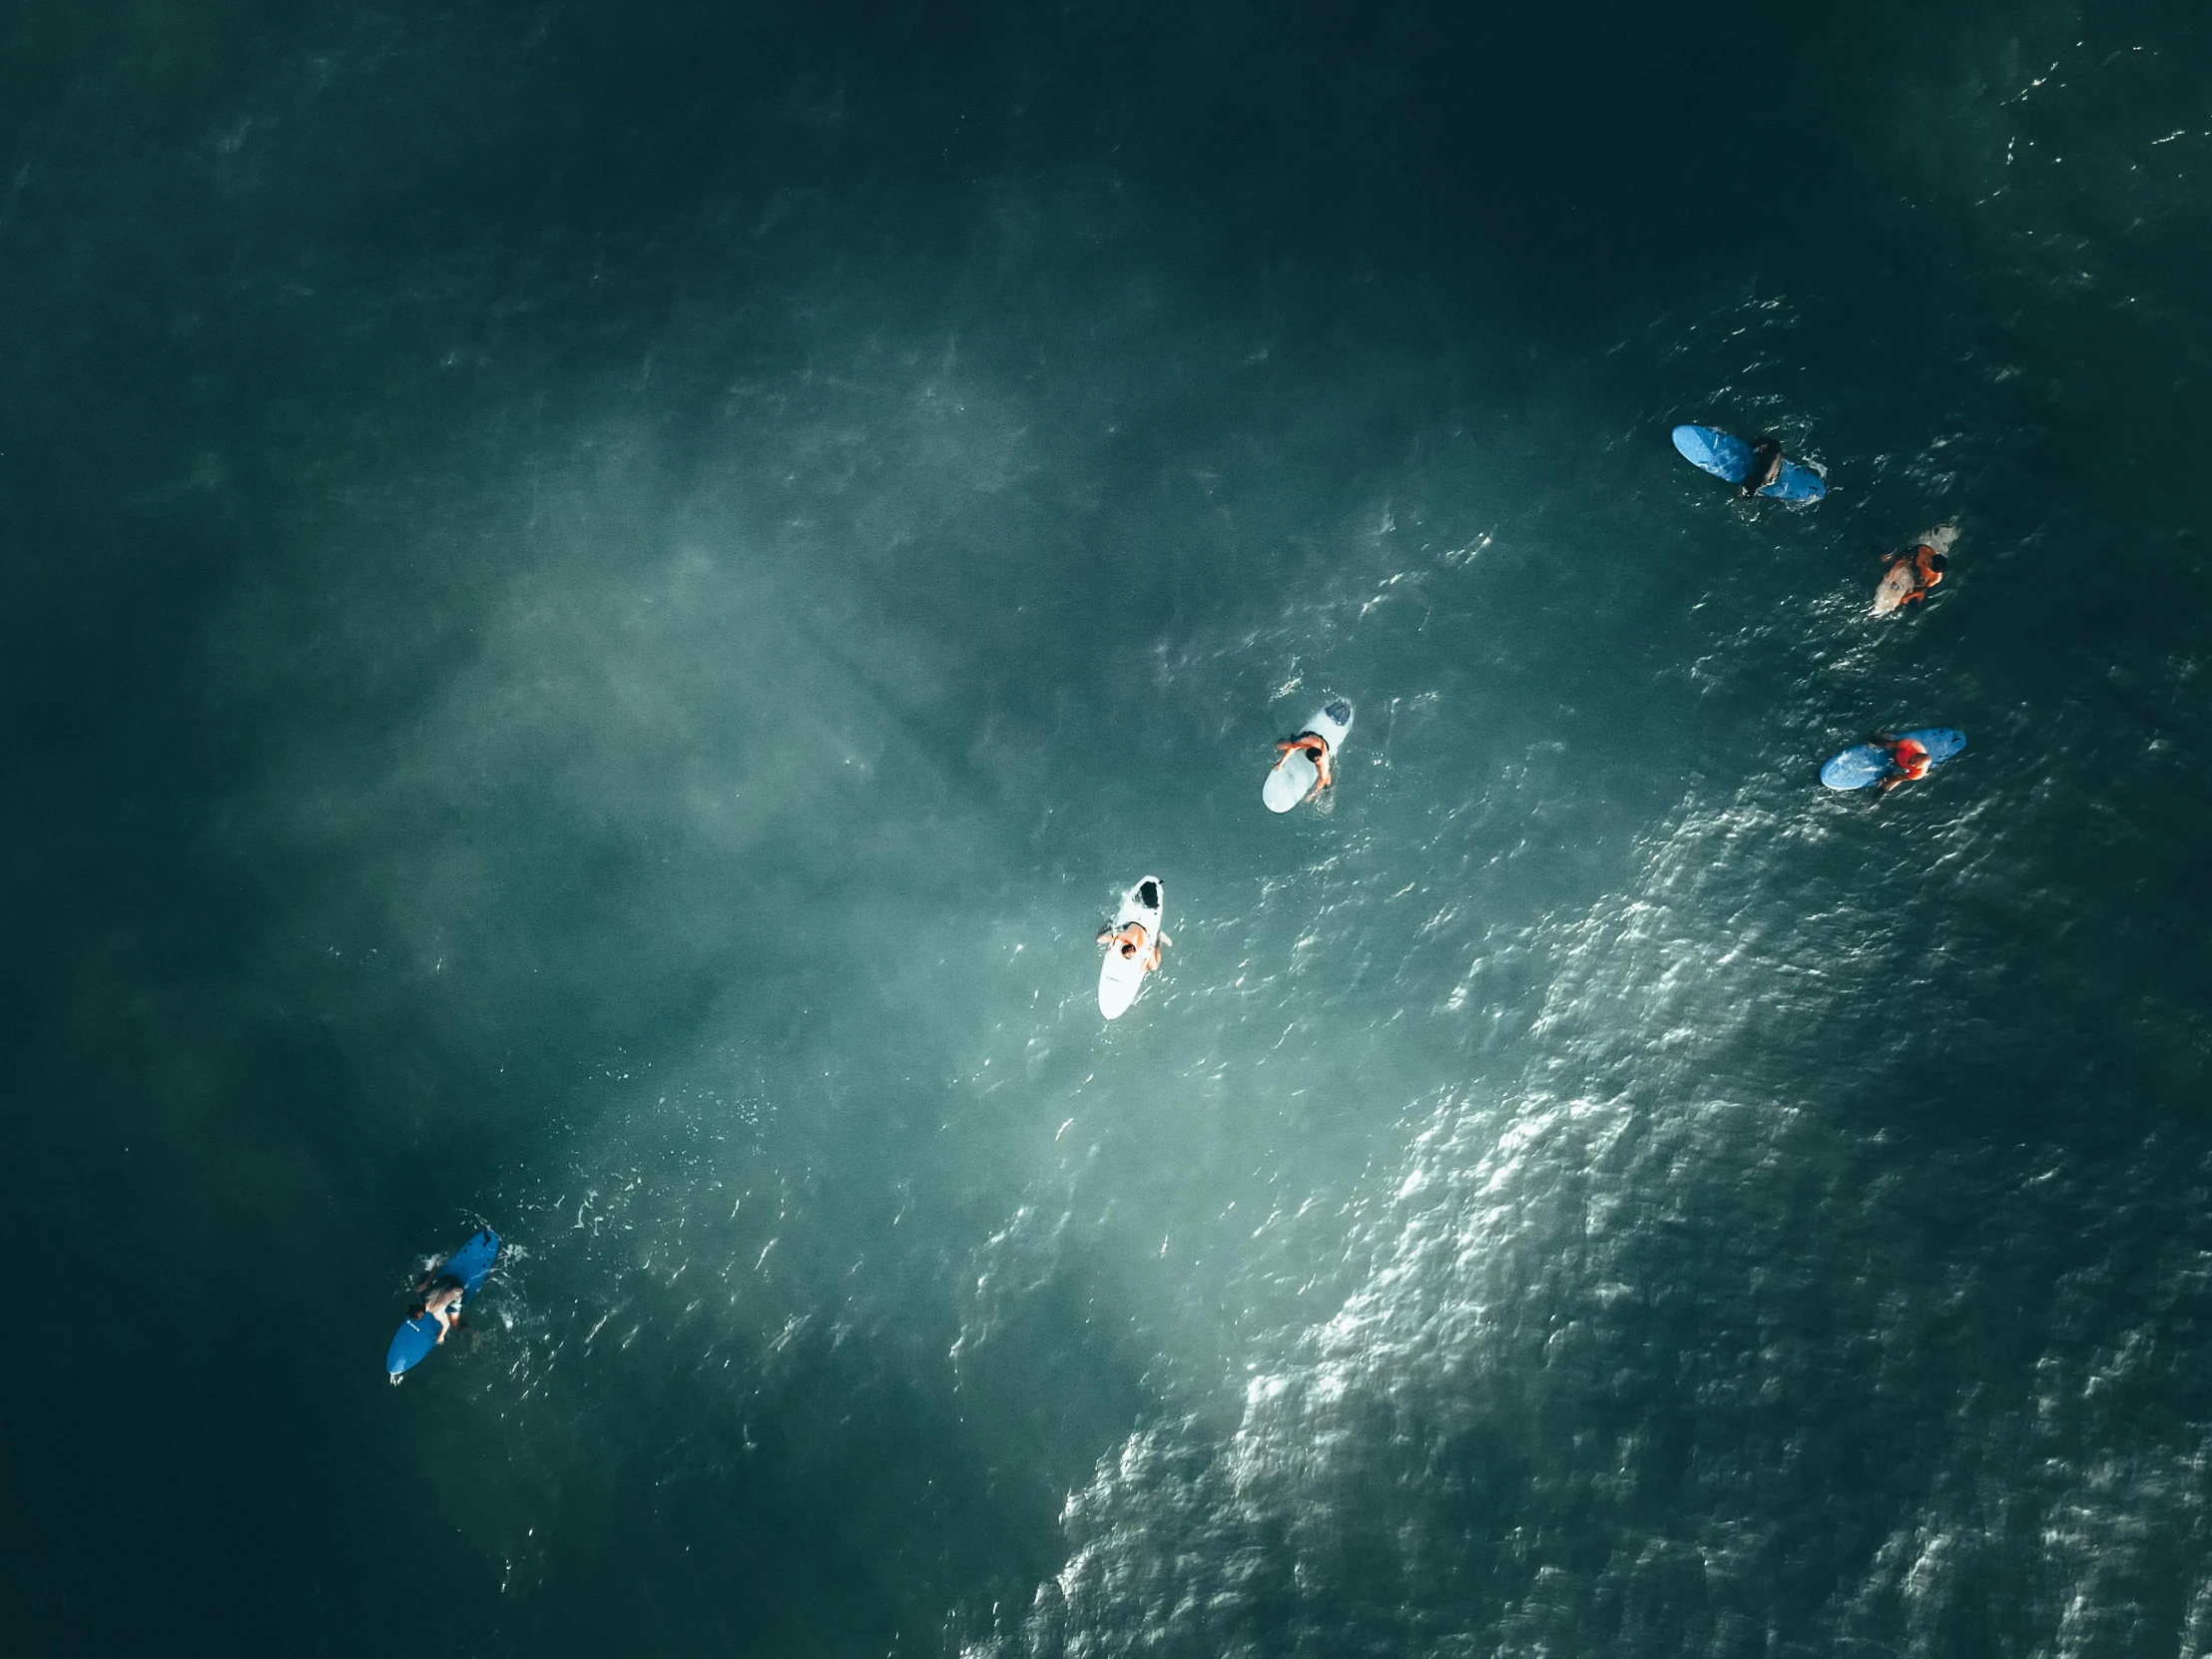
<point>1766,468</point>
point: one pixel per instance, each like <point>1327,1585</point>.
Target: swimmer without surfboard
<point>1295,776</point>
<point>1121,977</point>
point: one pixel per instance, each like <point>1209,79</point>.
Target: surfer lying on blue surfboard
<point>435,1312</point>
<point>1766,468</point>
<point>438,1296</point>
<point>1755,469</point>
<point>1909,759</point>
<point>1891,761</point>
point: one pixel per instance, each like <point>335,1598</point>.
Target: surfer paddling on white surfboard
<point>1315,747</point>
<point>1908,577</point>
<point>1305,766</point>
<point>1133,941</point>
<point>1134,945</point>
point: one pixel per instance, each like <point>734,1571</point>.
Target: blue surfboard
<point>1725,455</point>
<point>471,1265</point>
<point>1869,763</point>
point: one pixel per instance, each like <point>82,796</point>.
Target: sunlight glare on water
<point>602,606</point>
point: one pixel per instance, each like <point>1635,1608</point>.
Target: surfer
<point>1916,571</point>
<point>1765,468</point>
<point>439,1297</point>
<point>1315,747</point>
<point>1132,941</point>
<point>1909,759</point>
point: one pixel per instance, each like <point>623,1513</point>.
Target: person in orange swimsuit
<point>1133,943</point>
<point>1928,567</point>
<point>1909,761</point>
<point>1316,749</point>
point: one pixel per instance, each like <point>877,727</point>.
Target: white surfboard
<point>1889,593</point>
<point>1120,977</point>
<point>1295,776</point>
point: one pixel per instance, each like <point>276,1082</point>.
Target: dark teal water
<point>599,599</point>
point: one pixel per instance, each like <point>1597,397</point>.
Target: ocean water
<point>599,601</point>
